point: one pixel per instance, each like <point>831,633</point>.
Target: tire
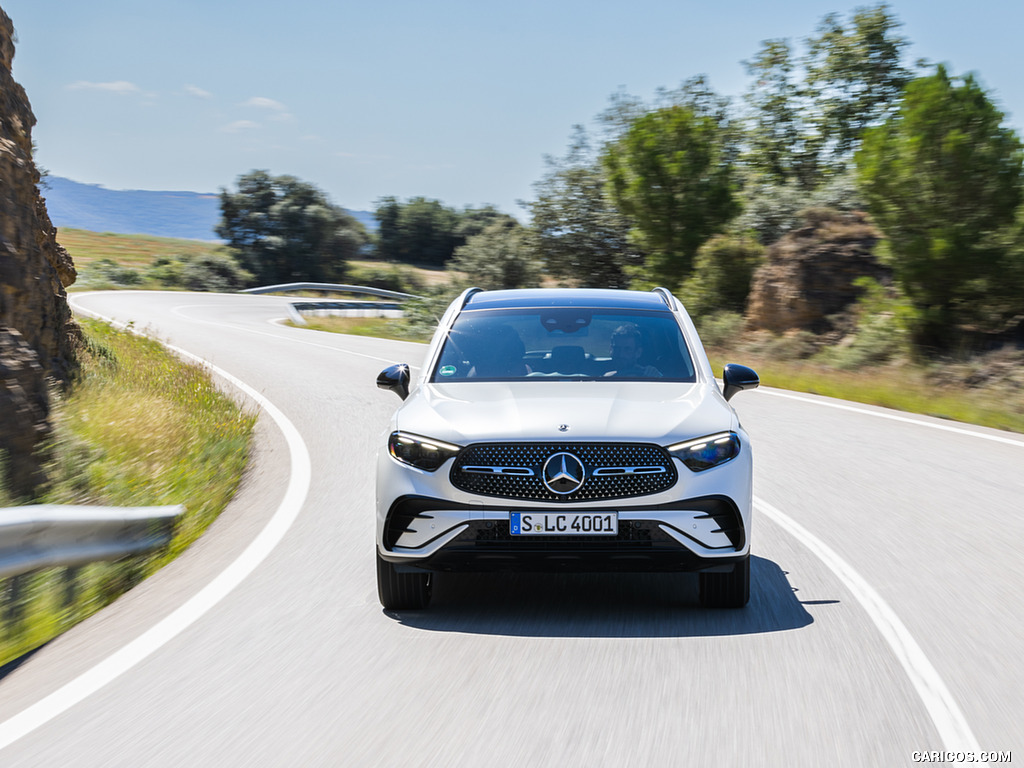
<point>401,591</point>
<point>726,590</point>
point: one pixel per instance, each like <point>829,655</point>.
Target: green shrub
<point>214,272</point>
<point>106,273</point>
<point>167,271</point>
<point>722,275</point>
<point>885,323</point>
<point>720,330</point>
<point>389,277</point>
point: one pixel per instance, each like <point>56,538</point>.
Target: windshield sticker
<point>448,370</point>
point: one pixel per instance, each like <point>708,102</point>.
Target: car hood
<point>658,412</point>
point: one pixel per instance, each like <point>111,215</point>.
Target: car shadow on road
<point>604,605</point>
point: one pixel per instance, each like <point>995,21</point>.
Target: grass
<point>138,428</point>
<point>379,327</point>
<point>900,387</point>
<point>133,251</point>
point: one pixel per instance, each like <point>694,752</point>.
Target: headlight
<point>420,452</point>
<point>707,452</point>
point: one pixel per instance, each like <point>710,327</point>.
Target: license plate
<point>563,523</point>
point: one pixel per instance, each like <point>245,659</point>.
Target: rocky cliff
<point>38,337</point>
<point>809,274</point>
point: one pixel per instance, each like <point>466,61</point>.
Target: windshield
<point>564,343</point>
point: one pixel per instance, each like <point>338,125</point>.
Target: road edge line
<point>945,714</point>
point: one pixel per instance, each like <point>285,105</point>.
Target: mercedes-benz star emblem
<point>563,473</point>
<point>563,427</point>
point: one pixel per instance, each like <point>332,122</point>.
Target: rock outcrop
<point>809,274</point>
<point>38,337</point>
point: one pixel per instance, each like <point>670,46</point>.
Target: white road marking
<point>949,721</point>
<point>839,405</point>
<point>170,627</point>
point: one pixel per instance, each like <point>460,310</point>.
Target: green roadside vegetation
<point>137,427</point>
<point>910,388</point>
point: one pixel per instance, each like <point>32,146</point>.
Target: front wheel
<point>726,590</point>
<point>401,591</point>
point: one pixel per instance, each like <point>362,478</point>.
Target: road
<point>884,619</point>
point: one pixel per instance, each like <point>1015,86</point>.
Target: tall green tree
<point>942,179</point>
<point>806,115</point>
<point>582,236</point>
<point>672,173</point>
<point>282,229</point>
<point>504,255</point>
<point>782,146</point>
<point>856,76</point>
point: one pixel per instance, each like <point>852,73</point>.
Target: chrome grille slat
<point>613,470</point>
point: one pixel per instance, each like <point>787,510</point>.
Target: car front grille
<point>609,470</point>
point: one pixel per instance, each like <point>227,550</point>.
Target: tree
<point>942,179</point>
<point>801,132</point>
<point>473,221</point>
<point>582,237</point>
<point>672,173</point>
<point>781,144</point>
<point>419,231</point>
<point>282,229</point>
<point>856,76</point>
<point>502,256</point>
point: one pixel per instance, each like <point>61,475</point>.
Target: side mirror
<point>737,378</point>
<point>395,379</point>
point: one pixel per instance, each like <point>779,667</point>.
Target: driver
<point>627,348</point>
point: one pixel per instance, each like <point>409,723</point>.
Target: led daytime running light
<point>707,452</point>
<point>420,452</point>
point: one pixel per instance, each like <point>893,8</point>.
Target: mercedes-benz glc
<point>564,429</point>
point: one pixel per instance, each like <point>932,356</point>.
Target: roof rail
<point>469,292</point>
<point>666,296</point>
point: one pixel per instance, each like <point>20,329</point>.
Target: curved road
<point>884,618</point>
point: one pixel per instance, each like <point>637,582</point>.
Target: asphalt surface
<point>884,618</point>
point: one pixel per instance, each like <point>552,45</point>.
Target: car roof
<point>566,297</point>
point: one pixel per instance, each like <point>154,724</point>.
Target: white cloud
<point>119,86</point>
<point>240,125</point>
<point>198,92</point>
<point>262,102</point>
<point>279,110</point>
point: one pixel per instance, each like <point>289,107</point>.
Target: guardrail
<point>49,535</point>
<point>336,287</point>
<point>338,306</point>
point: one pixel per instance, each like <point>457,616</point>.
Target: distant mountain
<point>190,215</point>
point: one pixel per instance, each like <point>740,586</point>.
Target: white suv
<point>562,429</point>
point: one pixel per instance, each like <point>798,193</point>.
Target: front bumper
<point>700,534</point>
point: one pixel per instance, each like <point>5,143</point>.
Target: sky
<point>455,100</point>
